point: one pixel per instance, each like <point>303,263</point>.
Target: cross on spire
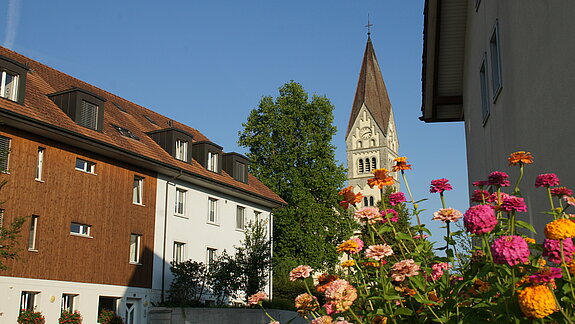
<point>368,26</point>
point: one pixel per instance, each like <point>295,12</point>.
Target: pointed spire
<point>371,91</point>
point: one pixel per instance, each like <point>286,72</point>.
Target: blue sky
<point>208,63</point>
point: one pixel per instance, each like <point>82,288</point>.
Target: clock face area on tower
<point>365,132</point>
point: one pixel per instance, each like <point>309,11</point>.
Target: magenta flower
<point>552,250</point>
<point>546,180</point>
<point>396,198</point>
<point>561,192</point>
<point>392,214</point>
<point>513,203</point>
<point>480,219</point>
<point>440,185</point>
<point>510,250</point>
<point>502,196</point>
<point>418,236</point>
<point>480,195</point>
<point>481,183</point>
<point>546,275</point>
<point>499,179</point>
<point>437,270</point>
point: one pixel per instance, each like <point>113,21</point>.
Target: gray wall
<point>162,315</point>
<point>535,110</point>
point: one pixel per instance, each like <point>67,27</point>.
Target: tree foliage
<point>289,145</point>
<point>189,283</point>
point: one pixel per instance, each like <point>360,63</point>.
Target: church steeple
<point>371,91</point>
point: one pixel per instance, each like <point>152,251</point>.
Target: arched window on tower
<point>371,201</point>
<point>367,165</point>
<point>373,164</point>
<point>365,201</point>
<point>359,145</point>
<point>360,166</point>
<point>372,142</point>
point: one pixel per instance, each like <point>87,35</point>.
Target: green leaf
<point>403,311</point>
<point>525,225</point>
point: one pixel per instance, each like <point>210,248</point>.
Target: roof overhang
<point>443,59</point>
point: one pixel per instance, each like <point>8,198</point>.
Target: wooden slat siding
<point>103,201</point>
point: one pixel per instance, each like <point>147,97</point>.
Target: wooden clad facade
<point>103,201</point>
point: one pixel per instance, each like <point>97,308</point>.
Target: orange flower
<point>349,197</point>
<point>324,281</point>
<point>401,164</point>
<point>520,157</point>
<point>380,179</point>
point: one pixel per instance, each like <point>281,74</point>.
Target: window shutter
<point>88,115</point>
<point>4,151</point>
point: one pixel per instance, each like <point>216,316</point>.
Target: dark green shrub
<point>31,317</point>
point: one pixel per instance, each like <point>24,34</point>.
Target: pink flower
<point>561,191</point>
<point>418,236</point>
<point>368,215</point>
<point>480,219</point>
<point>396,198</point>
<point>481,183</point>
<point>378,251</point>
<point>499,179</point>
<point>403,269</point>
<point>480,196</point>
<point>300,272</point>
<point>447,215</point>
<point>552,250</point>
<point>322,320</point>
<point>342,322</point>
<point>392,214</point>
<point>546,180</point>
<point>494,197</point>
<point>340,294</point>
<point>257,298</point>
<point>513,203</point>
<point>437,270</point>
<point>275,322</point>
<point>353,246</point>
<point>510,250</point>
<point>440,185</point>
<point>545,275</point>
<point>569,200</point>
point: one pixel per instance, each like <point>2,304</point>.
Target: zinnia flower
<point>378,251</point>
<point>560,229</point>
<point>546,180</point>
<point>447,215</point>
<point>569,200</point>
<point>481,183</point>
<point>440,185</point>
<point>546,275</point>
<point>300,272</point>
<point>347,263</point>
<point>380,179</point>
<point>571,267</point>
<point>561,191</point>
<point>349,198</point>
<point>396,198</point>
<point>520,157</point>
<point>418,236</point>
<point>353,246</point>
<point>552,250</point>
<point>401,164</point>
<point>394,216</point>
<point>370,215</point>
<point>537,301</point>
<point>499,179</point>
<point>404,268</point>
<point>437,270</point>
<point>322,320</point>
<point>480,196</point>
<point>257,298</point>
<point>510,250</point>
<point>306,303</point>
<point>324,281</point>
<point>340,295</point>
<point>512,203</point>
<point>529,240</point>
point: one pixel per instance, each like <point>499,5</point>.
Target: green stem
<point>516,191</point>
<point>265,312</point>
<point>559,305</point>
<point>442,200</point>
<point>565,268</point>
<point>512,223</point>
<point>551,201</point>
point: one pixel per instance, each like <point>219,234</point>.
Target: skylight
<point>150,119</point>
<point>120,107</point>
<point>125,132</point>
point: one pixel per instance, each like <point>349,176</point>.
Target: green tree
<point>254,258</point>
<point>289,145</point>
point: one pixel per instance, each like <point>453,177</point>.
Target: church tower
<point>371,139</point>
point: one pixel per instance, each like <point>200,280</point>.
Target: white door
<point>131,312</point>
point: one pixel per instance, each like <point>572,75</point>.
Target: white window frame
<point>86,166</point>
<point>213,210</point>
<point>83,229</point>
<point>138,190</point>
<point>3,75</point>
<point>257,215</point>
<point>180,201</point>
<point>211,256</point>
<point>240,218</point>
<point>28,300</point>
<point>135,242</point>
<point>68,302</point>
<point>40,163</point>
<point>495,55</point>
<point>181,150</point>
<point>179,254</point>
<point>33,233</point>
<point>212,161</point>
<point>484,88</point>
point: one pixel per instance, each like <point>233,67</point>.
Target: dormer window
<point>12,79</point>
<point>182,150</point>
<point>82,106</point>
<point>240,172</point>
<point>212,162</point>
<point>88,115</point>
<point>9,85</point>
<point>236,165</point>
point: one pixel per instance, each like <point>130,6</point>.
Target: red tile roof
<point>43,80</point>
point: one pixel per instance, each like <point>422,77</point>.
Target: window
<point>367,165</point>
<point>88,115</point>
<point>180,201</point>
<point>135,248</point>
<point>80,229</point>
<point>9,85</point>
<point>495,52</point>
<point>148,118</point>
<point>371,202</point>
<point>4,152</point>
<point>109,303</point>
<point>360,166</point>
<point>86,166</point>
<point>240,218</point>
<point>40,164</point>
<point>373,164</point>
<point>365,201</point>
<point>1,218</point>
<point>119,107</point>
<point>212,162</point>
<point>182,150</point>
<point>32,233</point>
<point>179,252</point>
<point>212,210</point>
<point>372,142</point>
<point>137,190</point>
<point>28,300</point>
<point>257,215</point>
<point>359,144</point>
<point>484,90</point>
<point>210,257</point>
<point>240,172</point>
<point>125,132</point>
<point>68,302</point>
